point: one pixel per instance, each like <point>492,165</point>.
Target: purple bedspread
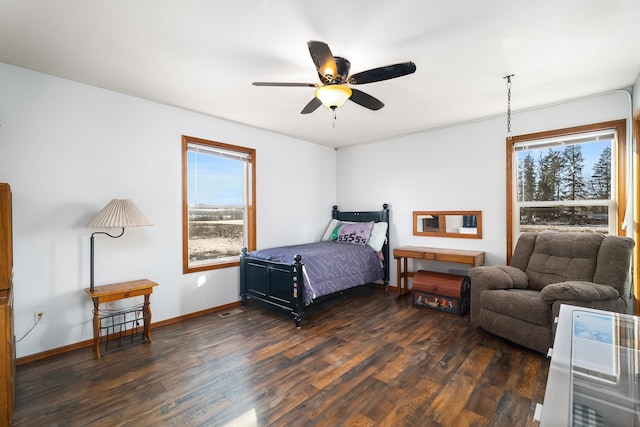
<point>328,266</point>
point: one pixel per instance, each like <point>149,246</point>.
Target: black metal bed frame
<point>281,284</point>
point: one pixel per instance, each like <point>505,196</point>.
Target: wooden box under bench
<point>445,292</point>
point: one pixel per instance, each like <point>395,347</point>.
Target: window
<point>218,203</point>
<point>567,180</point>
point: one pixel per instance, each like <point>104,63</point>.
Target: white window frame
<point>563,141</point>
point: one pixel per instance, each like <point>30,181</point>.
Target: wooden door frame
<point>636,210</point>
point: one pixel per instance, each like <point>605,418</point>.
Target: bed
<point>354,251</point>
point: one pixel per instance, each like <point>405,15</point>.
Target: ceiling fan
<point>332,91</point>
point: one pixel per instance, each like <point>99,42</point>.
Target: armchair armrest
<point>498,277</point>
<point>577,291</point>
<point>492,277</point>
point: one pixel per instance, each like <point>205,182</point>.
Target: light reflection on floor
<point>248,419</point>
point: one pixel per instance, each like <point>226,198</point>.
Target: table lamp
<point>119,213</point>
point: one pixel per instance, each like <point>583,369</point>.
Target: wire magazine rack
<point>121,328</point>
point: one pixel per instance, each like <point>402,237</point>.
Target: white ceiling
<point>203,55</point>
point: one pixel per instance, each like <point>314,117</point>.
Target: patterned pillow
<point>357,233</point>
<point>328,232</point>
<point>334,233</point>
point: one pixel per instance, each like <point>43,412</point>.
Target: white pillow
<point>378,236</point>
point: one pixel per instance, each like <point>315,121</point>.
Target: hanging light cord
<point>508,78</point>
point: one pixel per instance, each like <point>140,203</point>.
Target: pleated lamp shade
<point>119,213</point>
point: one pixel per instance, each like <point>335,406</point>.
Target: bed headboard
<point>366,216</point>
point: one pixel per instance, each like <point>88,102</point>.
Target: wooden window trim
<point>620,127</point>
<point>251,204</point>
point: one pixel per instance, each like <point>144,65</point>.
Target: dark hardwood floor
<point>360,359</point>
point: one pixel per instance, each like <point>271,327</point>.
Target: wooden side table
<point>117,291</point>
<point>403,253</point>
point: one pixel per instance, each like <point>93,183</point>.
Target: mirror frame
<point>443,233</point>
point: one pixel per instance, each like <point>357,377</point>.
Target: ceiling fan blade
<point>323,60</point>
<point>285,84</point>
<point>366,100</point>
<point>382,73</point>
<point>311,106</point>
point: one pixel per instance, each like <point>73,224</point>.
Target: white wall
<point>67,149</point>
<point>460,167</point>
<point>636,94</point>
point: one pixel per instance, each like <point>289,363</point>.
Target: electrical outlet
<point>39,316</point>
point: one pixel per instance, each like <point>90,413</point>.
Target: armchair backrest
<point>558,257</point>
<point>614,263</point>
<point>551,257</point>
<point>524,248</point>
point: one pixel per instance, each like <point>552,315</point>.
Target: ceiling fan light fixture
<point>333,96</point>
<point>328,72</point>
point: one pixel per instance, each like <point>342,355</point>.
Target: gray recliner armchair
<point>520,301</point>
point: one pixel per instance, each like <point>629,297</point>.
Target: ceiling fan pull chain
<point>334,117</point>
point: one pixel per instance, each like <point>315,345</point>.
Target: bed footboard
<point>275,283</point>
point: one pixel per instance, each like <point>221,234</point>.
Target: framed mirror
<point>461,224</point>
